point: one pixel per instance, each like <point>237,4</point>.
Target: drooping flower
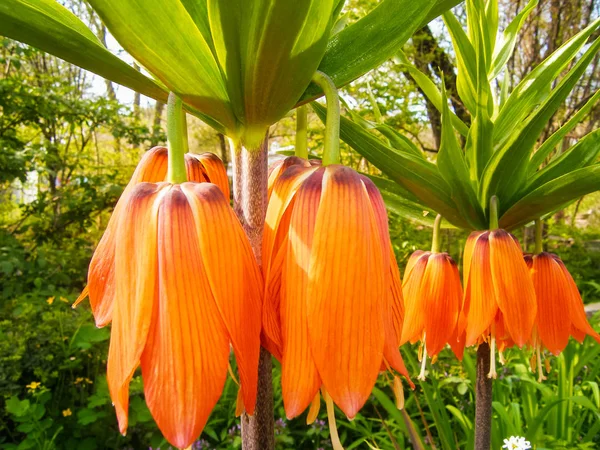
<point>432,302</point>
<point>499,299</point>
<point>152,168</point>
<point>331,311</point>
<point>560,312</point>
<point>187,287</point>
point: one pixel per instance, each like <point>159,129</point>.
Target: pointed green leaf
<point>506,172</point>
<point>582,154</point>
<point>47,25</point>
<point>269,51</point>
<point>431,91</point>
<point>479,142</point>
<point>398,200</point>
<point>466,81</point>
<point>399,141</point>
<point>368,42</point>
<point>531,91</point>
<point>546,198</point>
<point>549,144</point>
<point>510,35</point>
<point>164,38</point>
<point>453,168</point>
<point>414,174</point>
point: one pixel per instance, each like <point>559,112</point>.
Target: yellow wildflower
<point>67,412</point>
<point>64,299</point>
<point>50,300</point>
<point>34,385</point>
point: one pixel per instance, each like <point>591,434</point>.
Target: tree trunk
<point>250,175</point>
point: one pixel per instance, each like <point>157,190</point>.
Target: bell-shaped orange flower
<point>186,287</point>
<point>560,312</point>
<point>329,312</point>
<point>432,302</point>
<point>206,167</point>
<point>499,299</point>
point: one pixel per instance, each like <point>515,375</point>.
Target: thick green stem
<point>176,172</point>
<point>493,212</point>
<point>437,235</point>
<point>539,234</point>
<point>331,152</point>
<point>250,175</point>
<point>301,132</point>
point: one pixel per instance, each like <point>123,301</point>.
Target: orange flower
<point>560,312</point>
<point>186,287</point>
<point>330,313</point>
<point>432,301</point>
<point>499,301</point>
<point>152,168</point>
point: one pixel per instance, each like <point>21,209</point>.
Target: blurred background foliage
<point>68,144</point>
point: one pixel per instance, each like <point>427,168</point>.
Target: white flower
<point>516,443</point>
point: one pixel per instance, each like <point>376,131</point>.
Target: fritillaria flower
<point>187,287</point>
<point>206,167</point>
<point>499,300</point>
<point>432,302</point>
<point>333,306</point>
<point>560,312</point>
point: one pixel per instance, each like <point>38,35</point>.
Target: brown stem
<point>250,174</point>
<point>483,400</point>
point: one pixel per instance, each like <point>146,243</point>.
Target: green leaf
<point>510,35</point>
<point>582,154</point>
<point>506,172</point>
<point>368,42</point>
<point>431,91</point>
<point>547,197</point>
<point>414,174</point>
<point>399,141</point>
<point>479,142</point>
<point>164,38</point>
<point>466,81</point>
<point>47,25</point>
<point>402,202</point>
<point>546,148</point>
<point>535,86</point>
<point>269,51</point>
<point>453,168</point>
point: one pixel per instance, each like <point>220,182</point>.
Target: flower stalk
<point>331,152</point>
<point>177,139</point>
<point>301,149</point>
<point>437,238</point>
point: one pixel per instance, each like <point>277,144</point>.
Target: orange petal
<point>195,171</point>
<point>468,253</point>
<point>346,282</point>
<point>234,276</point>
<point>576,310</point>
<point>412,260</point>
<point>280,166</point>
<point>512,285</point>
<point>184,365</point>
<point>136,290</point>
<point>152,168</point>
<point>397,297</point>
<point>480,303</point>
<point>300,380</point>
<point>551,290</point>
<point>216,172</point>
<point>441,297</point>
<point>101,277</point>
<point>414,313</point>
